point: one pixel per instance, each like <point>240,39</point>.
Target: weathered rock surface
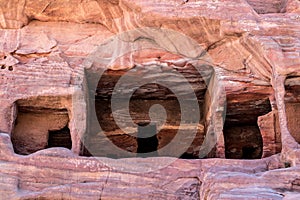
<point>50,54</point>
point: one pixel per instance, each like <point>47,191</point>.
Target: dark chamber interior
<point>242,136</point>
<point>38,127</point>
<point>243,139</point>
<point>60,138</point>
<point>147,141</point>
<point>243,142</point>
<point>141,101</point>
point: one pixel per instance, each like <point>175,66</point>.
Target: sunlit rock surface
<point>248,92</point>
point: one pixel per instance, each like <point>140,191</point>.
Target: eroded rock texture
<point>241,59</point>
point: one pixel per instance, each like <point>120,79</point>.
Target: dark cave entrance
<point>243,142</point>
<point>38,126</point>
<point>243,139</point>
<point>141,101</point>
<point>147,141</point>
<point>249,152</point>
<point>60,138</point>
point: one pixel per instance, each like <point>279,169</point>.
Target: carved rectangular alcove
<point>140,103</point>
<point>242,134</point>
<point>40,123</point>
<point>247,131</point>
<point>292,106</point>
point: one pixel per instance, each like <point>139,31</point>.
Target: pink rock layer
<point>45,69</point>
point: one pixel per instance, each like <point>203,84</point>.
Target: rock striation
<point>60,62</point>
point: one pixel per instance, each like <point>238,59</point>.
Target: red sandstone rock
<point>45,71</point>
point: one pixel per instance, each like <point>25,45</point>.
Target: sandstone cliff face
<point>61,60</point>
